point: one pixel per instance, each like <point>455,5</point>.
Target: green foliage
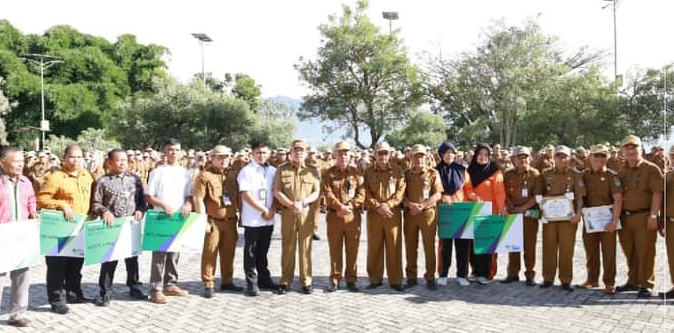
<point>90,139</point>
<point>423,127</point>
<point>361,77</point>
<point>247,90</point>
<point>5,107</point>
<point>277,124</point>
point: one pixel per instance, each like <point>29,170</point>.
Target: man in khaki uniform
<point>546,160</point>
<point>296,187</point>
<point>344,197</point>
<point>642,183</point>
<point>669,224</point>
<point>213,194</point>
<point>613,162</point>
<point>314,161</point>
<point>520,183</point>
<point>559,237</point>
<point>603,188</point>
<point>384,192</point>
<point>423,189</point>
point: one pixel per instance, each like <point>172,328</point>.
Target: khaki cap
<point>220,150</point>
<point>382,146</point>
<point>521,150</point>
<point>599,149</point>
<point>342,145</point>
<point>299,143</point>
<point>630,140</point>
<point>419,149</point>
<point>281,151</point>
<point>562,149</point>
<point>312,150</point>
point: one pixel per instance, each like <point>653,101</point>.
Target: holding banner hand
<point>109,218</point>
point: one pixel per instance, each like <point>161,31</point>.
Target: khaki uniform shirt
<point>384,185</point>
<point>554,183</point>
<point>343,187</point>
<point>62,190</point>
<point>218,192</point>
<point>520,186</point>
<point>601,187</point>
<point>639,183</point>
<point>421,184</point>
<point>296,181</point>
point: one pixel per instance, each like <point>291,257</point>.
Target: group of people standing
<point>398,202</point>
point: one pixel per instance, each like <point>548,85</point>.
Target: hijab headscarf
<point>480,172</point>
<point>450,174</point>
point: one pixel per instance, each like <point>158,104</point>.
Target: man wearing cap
<point>580,161</point>
<point>328,161</point>
<point>520,182</point>
<point>613,161</point>
<point>423,189</point>
<point>546,160</point>
<point>384,192</point>
<point>344,197</point>
<point>213,195</point>
<point>314,161</point>
<point>603,188</point>
<point>296,187</point>
<point>559,237</point>
<point>669,224</point>
<point>39,171</point>
<point>642,183</point>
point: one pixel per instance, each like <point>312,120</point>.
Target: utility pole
<point>44,61</point>
<point>203,38</point>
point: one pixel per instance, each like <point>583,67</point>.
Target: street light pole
<point>203,38</point>
<point>615,38</point>
<point>390,16</point>
<point>45,61</point>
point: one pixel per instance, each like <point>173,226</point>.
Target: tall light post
<point>203,38</point>
<point>615,37</point>
<point>390,16</point>
<point>44,61</point>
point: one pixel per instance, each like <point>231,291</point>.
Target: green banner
<point>103,243</point>
<point>173,233</point>
<point>455,220</point>
<point>496,234</point>
<point>60,237</point>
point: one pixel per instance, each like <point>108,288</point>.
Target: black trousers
<point>107,275</point>
<point>462,249</point>
<point>63,277</point>
<point>255,250</point>
<point>481,264</point>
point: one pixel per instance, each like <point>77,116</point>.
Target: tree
<point>5,107</point>
<point>360,78</point>
<point>643,102</point>
<point>247,90</point>
<point>277,123</point>
<point>423,128</point>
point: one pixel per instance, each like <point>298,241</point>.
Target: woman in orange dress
<point>486,184</point>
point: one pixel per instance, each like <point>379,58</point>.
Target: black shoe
<point>397,287</point>
<point>253,291</point>
<point>567,287</point>
<point>546,284</point>
<point>137,294</point>
<point>315,237</point>
<point>230,287</point>
<point>208,292</point>
<point>307,290</point>
<point>626,287</point>
<point>23,322</point>
<point>430,285</point>
<point>410,283</point>
<point>373,285</point>
<point>530,282</point>
<point>102,301</point>
<point>351,286</point>
<point>510,279</point>
<point>644,293</point>
<point>283,289</point>
<point>331,288</point>
<point>268,286</point>
<point>79,299</point>
<point>667,295</point>
<point>60,309</point>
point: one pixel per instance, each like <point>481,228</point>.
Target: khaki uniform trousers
<point>638,244</point>
<point>296,230</point>
<point>607,242</point>
<point>559,240</point>
<point>384,241</point>
<point>343,236</point>
<point>221,240</point>
<point>669,241</point>
<point>530,235</point>
<point>425,222</point>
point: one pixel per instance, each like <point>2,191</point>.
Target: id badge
<point>225,200</point>
<point>569,195</point>
<point>351,193</point>
<point>263,195</point>
<point>426,194</point>
<point>525,193</point>
<point>392,188</point>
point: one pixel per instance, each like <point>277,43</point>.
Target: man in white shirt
<point>169,188</point>
<point>257,217</point>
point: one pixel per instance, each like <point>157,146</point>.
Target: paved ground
<point>492,308</point>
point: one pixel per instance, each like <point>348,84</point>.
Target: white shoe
<point>442,281</point>
<point>483,280</point>
<point>463,282</point>
<point>472,278</point>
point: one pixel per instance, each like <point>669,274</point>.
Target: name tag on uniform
<point>351,193</point>
<point>262,194</point>
<point>525,193</point>
<point>392,188</point>
<point>425,194</point>
<point>225,200</point>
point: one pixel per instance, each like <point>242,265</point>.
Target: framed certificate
<point>596,218</point>
<point>559,208</point>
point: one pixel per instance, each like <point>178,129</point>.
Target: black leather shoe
<point>102,301</point>
<point>530,282</point>
<point>331,288</point>
<point>79,299</point>
<point>626,287</point>
<point>410,283</point>
<point>307,290</point>
<point>430,285</point>
<point>253,291</point>
<point>351,286</point>
<point>546,284</point>
<point>644,293</point>
<point>315,237</point>
<point>373,286</point>
<point>268,286</point>
<point>230,287</point>
<point>667,295</point>
<point>23,322</point>
<point>137,294</point>
<point>208,292</point>
<point>510,279</point>
<point>60,309</point>
<point>567,287</point>
<point>283,289</point>
<point>397,287</point>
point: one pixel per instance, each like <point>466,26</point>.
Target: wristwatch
<point>653,216</point>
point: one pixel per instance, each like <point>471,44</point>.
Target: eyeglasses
<point>599,155</point>
<point>382,153</point>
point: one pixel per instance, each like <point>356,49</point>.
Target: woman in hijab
<point>454,177</point>
<point>486,184</point>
